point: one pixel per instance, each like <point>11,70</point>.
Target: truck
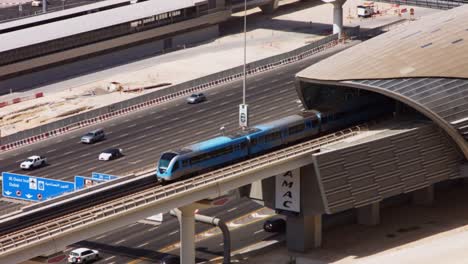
<point>33,162</point>
<point>365,11</point>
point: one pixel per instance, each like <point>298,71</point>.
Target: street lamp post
<point>243,108</point>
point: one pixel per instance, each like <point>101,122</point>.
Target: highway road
<point>143,135</point>
<point>142,242</point>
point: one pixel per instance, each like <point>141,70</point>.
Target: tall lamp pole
<point>243,108</point>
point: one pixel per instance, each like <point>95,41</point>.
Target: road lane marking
<point>199,111</point>
<point>93,168</point>
<point>123,135</point>
<point>148,127</point>
<point>132,224</point>
<point>232,209</point>
<point>109,258</point>
<point>20,160</point>
<point>74,166</point>
<point>84,155</point>
<point>200,132</point>
<point>110,132</point>
<point>173,233</point>
<point>132,125</point>
<point>68,153</point>
<point>259,231</point>
<point>120,241</point>
<point>99,237</point>
<point>153,228</point>
<point>132,147</point>
<point>127,120</point>
<point>142,245</point>
<point>175,140</point>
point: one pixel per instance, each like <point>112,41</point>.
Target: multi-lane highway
<point>145,134</point>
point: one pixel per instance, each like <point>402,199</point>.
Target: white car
<point>110,154</point>
<point>83,255</point>
<point>33,162</point>
<point>36,3</point>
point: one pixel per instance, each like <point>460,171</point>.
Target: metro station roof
<point>422,64</point>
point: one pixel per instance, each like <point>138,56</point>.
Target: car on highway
<point>274,225</point>
<point>93,136</point>
<point>83,255</point>
<point>196,98</point>
<point>110,154</point>
<point>33,162</point>
<point>170,259</point>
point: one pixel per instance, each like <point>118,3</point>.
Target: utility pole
<point>243,108</point>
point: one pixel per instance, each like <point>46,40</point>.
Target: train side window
<point>176,166</point>
<point>243,145</point>
<point>273,136</point>
<point>296,129</point>
<point>253,141</point>
<point>185,163</point>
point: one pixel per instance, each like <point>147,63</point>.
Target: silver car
<point>83,255</point>
<point>196,98</point>
<point>93,136</point>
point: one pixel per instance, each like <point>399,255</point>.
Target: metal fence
<point>435,4</point>
<point>97,115</point>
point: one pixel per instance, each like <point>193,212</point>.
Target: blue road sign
<point>103,176</point>
<point>33,188</point>
<point>83,182</point>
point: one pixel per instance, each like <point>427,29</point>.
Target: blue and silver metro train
<point>223,150</point>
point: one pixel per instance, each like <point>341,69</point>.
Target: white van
<point>365,11</point>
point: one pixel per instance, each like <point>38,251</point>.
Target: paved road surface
<point>145,134</point>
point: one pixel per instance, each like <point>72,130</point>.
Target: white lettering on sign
<point>288,191</point>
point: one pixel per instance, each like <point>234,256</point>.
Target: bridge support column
<point>424,197</point>
<point>270,8</point>
<point>369,214</point>
<point>303,232</point>
<point>337,15</point>
<point>186,217</point>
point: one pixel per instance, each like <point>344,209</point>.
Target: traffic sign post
<point>243,116</point>
<point>32,188</point>
<point>103,176</point>
<point>85,182</point>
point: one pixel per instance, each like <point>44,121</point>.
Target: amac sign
<point>288,191</point>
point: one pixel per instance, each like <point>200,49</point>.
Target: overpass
<point>54,234</point>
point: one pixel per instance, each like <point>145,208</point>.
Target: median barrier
<point>179,90</point>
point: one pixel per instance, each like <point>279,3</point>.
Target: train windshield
<point>165,160</point>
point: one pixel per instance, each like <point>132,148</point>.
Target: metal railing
<point>154,196</point>
<point>435,4</point>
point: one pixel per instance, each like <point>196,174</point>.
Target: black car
<point>274,225</point>
<point>110,154</point>
<point>170,259</point>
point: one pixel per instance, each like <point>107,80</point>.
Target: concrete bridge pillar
<point>337,15</point>
<point>270,7</point>
<point>424,197</point>
<point>303,232</point>
<point>369,214</point>
<point>186,217</point>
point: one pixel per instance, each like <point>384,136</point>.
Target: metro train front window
<point>165,160</point>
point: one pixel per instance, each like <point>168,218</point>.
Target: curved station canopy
<point>423,64</point>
